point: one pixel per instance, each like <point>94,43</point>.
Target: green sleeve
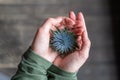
<point>55,73</point>
<point>34,67</point>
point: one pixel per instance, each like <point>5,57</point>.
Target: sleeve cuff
<point>38,60</point>
<point>49,67</point>
<point>58,71</point>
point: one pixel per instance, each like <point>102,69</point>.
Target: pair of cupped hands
<point>41,43</point>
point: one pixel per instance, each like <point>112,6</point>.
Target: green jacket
<point>34,67</point>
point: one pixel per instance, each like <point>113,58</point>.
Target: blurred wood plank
<point>32,1</point>
<point>19,20</point>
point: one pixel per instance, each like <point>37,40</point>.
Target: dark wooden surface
<point>19,20</point>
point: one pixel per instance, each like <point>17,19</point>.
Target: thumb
<point>85,47</point>
<point>50,23</point>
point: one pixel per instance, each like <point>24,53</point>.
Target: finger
<point>79,16</point>
<point>85,47</point>
<point>72,15</point>
<point>78,31</point>
<point>79,42</point>
<point>80,20</point>
<point>68,22</point>
<point>50,22</point>
<point>60,25</point>
<point>79,24</point>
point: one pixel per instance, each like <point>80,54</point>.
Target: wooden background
<point>19,20</point>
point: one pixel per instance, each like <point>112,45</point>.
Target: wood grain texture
<point>19,20</point>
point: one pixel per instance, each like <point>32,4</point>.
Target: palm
<point>70,62</point>
<point>42,39</point>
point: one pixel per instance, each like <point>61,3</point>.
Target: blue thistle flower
<point>63,41</point>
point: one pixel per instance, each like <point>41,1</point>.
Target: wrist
<point>41,53</point>
<point>59,71</point>
<point>68,68</point>
<point>31,56</point>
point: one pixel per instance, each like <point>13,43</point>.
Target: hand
<point>41,41</point>
<point>73,61</point>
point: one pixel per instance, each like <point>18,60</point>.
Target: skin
<point>74,61</point>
